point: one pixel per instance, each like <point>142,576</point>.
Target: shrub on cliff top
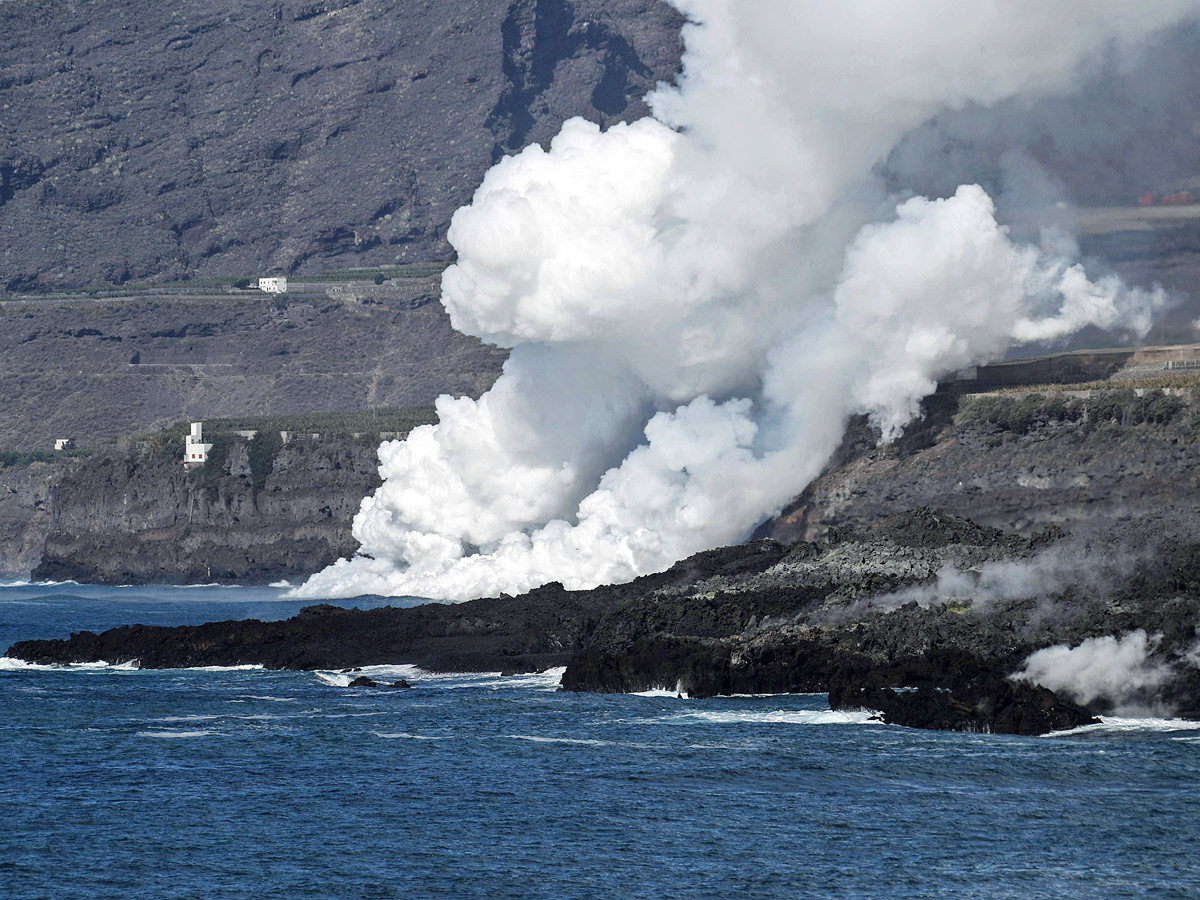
<point>1021,415</point>
<point>263,447</point>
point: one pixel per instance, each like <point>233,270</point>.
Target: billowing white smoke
<point>697,301</point>
<point>1115,670</point>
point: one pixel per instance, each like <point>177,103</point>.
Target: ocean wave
<point>11,664</point>
<point>176,734</point>
<point>404,735</point>
<point>20,584</point>
<point>547,680</point>
<point>772,717</point>
<point>660,692</point>
<point>265,697</point>
<point>247,667</point>
<point>384,678</point>
<point>1114,725</point>
<point>585,742</point>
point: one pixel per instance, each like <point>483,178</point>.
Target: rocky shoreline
<point>925,617</point>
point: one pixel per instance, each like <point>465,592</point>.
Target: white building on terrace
<point>274,285</point>
<point>195,451</point>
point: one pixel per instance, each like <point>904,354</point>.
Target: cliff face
<point>120,519</point>
<point>142,140</point>
<point>25,515</point>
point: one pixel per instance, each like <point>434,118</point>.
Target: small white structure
<point>63,444</point>
<point>275,285</point>
<point>195,451</point>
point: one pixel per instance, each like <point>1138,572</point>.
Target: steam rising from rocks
<point>697,301</point>
<point>1109,669</point>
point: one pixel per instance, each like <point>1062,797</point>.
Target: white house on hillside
<point>274,285</point>
<point>195,451</point>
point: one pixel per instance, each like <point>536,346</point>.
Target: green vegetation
<point>357,422</point>
<point>209,475</point>
<point>20,458</point>
<point>1148,383</point>
<point>263,447</point>
<point>167,444</point>
<point>383,273</point>
<point>1022,415</point>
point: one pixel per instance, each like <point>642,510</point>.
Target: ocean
<point>256,784</point>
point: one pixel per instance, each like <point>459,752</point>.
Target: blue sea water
<point>257,784</point>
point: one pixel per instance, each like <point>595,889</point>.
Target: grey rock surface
<point>25,515</point>
<point>153,141</point>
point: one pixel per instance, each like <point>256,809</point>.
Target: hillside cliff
<point>137,517</point>
<point>1005,462</point>
<point>94,370</point>
<point>25,514</point>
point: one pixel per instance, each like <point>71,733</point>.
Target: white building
<point>274,285</point>
<point>64,444</point>
<point>195,451</point>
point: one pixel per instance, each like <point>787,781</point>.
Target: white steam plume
<point>1110,669</point>
<point>697,301</point>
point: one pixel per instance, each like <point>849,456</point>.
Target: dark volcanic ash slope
<point>144,140</point>
<point>1043,461</point>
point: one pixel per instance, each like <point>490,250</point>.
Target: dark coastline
<point>752,619</point>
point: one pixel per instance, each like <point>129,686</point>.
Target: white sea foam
<point>550,680</point>
<point>404,735</point>
<point>255,667</point>
<point>772,717</point>
<point>382,674</point>
<point>585,742</point>
<point>547,680</point>
<point>661,692</point>
<point>268,698</point>
<point>10,664</point>
<point>1114,725</point>
<point>16,584</point>
<point>177,734</point>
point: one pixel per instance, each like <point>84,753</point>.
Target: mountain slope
<point>156,141</point>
